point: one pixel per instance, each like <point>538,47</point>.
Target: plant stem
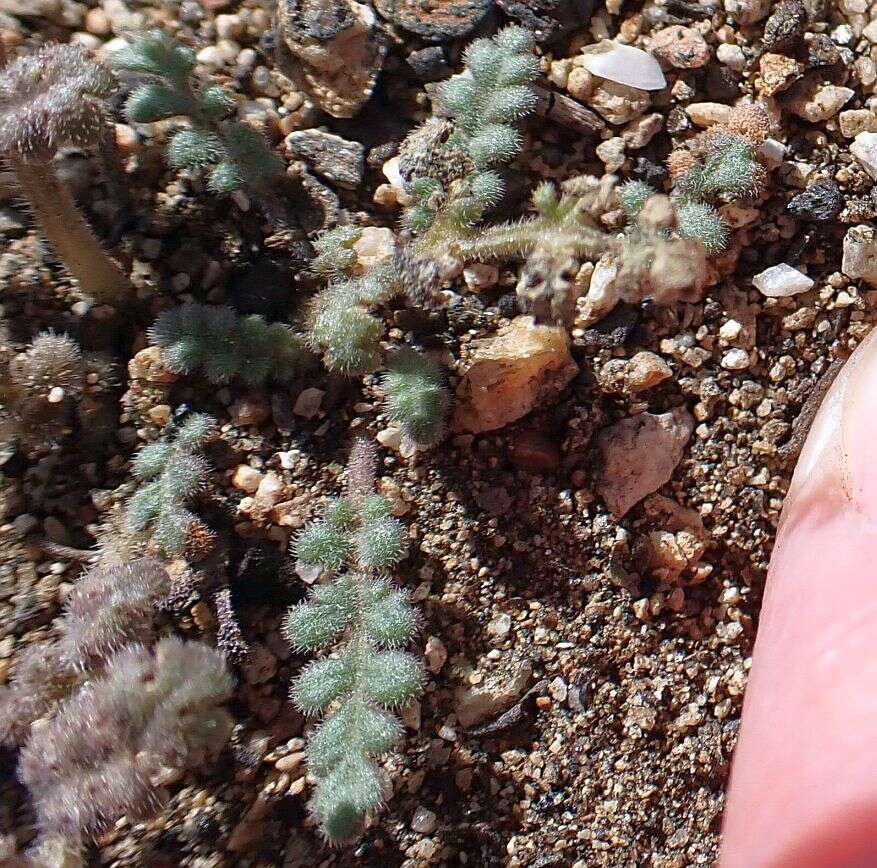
<point>66,230</point>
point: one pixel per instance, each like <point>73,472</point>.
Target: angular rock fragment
<point>860,254</point>
<point>550,20</point>
<point>332,49</point>
<point>864,149</point>
<point>334,158</point>
<point>781,280</point>
<point>511,374</point>
<point>438,20</point>
<point>494,695</point>
<point>639,455</point>
<point>821,202</point>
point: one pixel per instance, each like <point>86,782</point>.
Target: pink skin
<point>803,791</point>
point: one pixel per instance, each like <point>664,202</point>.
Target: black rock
<point>785,26</point>
<point>549,20</point>
<point>429,64</point>
<point>821,51</point>
<point>820,202</point>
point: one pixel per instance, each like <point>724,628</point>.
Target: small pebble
<point>423,821</point>
<point>735,360</point>
<point>436,654</point>
<point>864,149</point>
<point>781,280</point>
<point>682,47</point>
<point>246,479</point>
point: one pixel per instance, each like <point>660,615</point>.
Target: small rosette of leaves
<point>223,345</point>
<point>336,255</point>
<point>416,397</point>
<point>633,195</point>
<point>234,154</point>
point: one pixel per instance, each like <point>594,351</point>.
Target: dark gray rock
<point>821,51</point>
<point>437,20</point>
<point>785,27</point>
<point>429,64</point>
<point>550,20</point>
<point>820,202</point>
<point>336,159</point>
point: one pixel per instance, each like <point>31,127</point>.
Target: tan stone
<point>640,454</point>
<point>510,374</point>
<point>149,365</point>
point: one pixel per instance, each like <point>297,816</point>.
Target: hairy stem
<point>66,230</point>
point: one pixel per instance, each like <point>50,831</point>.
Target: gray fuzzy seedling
<point>364,621</point>
<point>108,607</point>
<point>223,345</point>
<point>234,154</point>
<point>487,101</point>
<point>110,745</point>
<point>173,473</point>
<point>456,182</point>
<point>49,99</point>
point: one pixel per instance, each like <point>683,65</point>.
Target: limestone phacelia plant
<point>108,607</point>
<point>416,397</point>
<point>49,99</point>
<point>224,345</point>
<point>235,155</point>
<point>173,473</point>
<point>366,620</point>
<point>719,163</point>
<point>110,746</point>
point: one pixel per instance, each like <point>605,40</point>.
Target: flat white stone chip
<point>624,64</point>
<point>781,280</point>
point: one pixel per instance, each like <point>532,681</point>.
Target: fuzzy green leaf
<point>341,513</point>
<point>322,681</point>
<point>380,544</point>
<point>171,528</point>
<point>375,507</point>
<point>696,220</point>
<point>318,622</point>
<point>155,102</point>
<point>144,505</point>
<point>321,544</point>
<point>633,196</point>
<point>195,430</point>
<point>216,102</point>
<point>357,728</point>
<point>350,791</point>
<point>194,148</point>
<point>225,178</point>
<point>494,143</point>
<point>391,678</point>
<point>151,460</point>
<point>388,616</point>
<point>155,54</point>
